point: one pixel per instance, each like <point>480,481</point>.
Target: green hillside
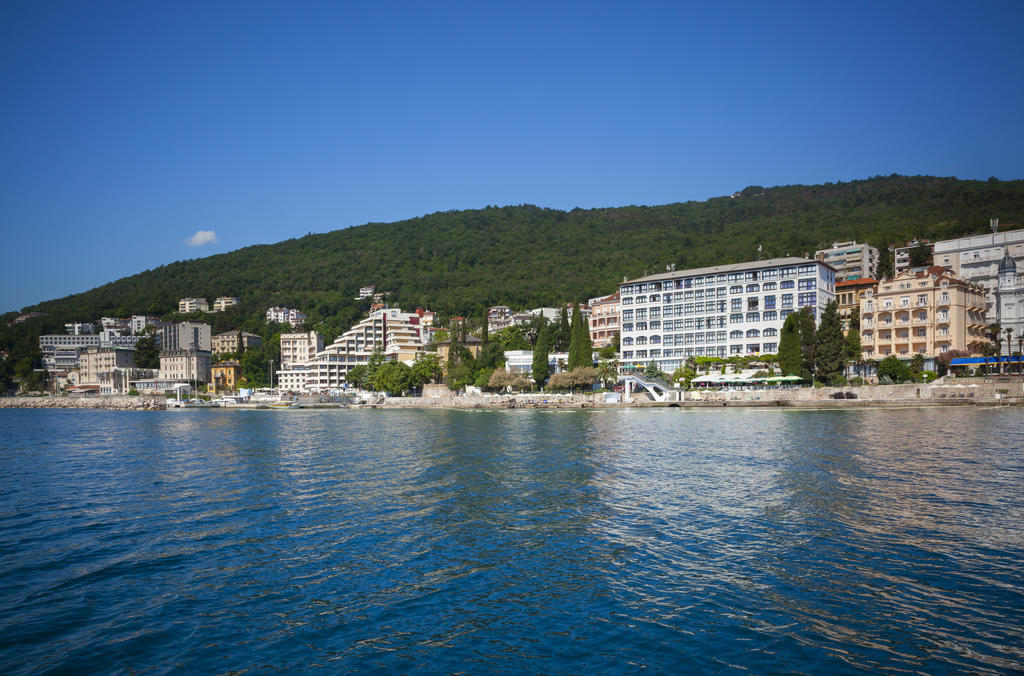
<point>459,262</point>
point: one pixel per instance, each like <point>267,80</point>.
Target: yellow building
<point>225,376</point>
<point>848,294</point>
<point>926,313</point>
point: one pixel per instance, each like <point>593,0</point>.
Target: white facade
<point>284,315</point>
<point>850,260</point>
<point>719,311</point>
<point>367,291</point>
<point>521,361</point>
<point>1009,301</point>
<point>185,365</point>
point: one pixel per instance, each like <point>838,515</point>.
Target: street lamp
<point>271,373</point>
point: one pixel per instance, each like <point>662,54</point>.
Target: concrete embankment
<point>117,403</point>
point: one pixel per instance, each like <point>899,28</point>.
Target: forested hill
<point>459,262</point>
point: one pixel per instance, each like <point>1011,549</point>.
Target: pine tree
<point>830,346</point>
<point>789,347</point>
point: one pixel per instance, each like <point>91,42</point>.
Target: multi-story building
<point>367,291</point>
<point>95,361</point>
<point>224,302</point>
<point>61,351</point>
<point>225,376</point>
<point>80,329</point>
<point>901,253</point>
<point>499,317</point>
<point>186,305</point>
<point>185,336</point>
<point>284,315</point>
<point>120,379</point>
<point>299,348</point>
<point>850,260</point>
<point>234,341</point>
<point>139,323</point>
<point>718,311</point>
<point>399,335</point>
<point>848,293</point>
<point>604,320</point>
<point>926,312</point>
<point>977,259</point>
<point>183,365</point>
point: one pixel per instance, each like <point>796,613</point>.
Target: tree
<point>652,371</point>
<point>501,379</point>
<point>393,377</point>
<point>853,351</point>
<point>892,370</point>
<point>581,351</point>
<point>426,369</point>
<point>607,370</point>
<point>147,355</point>
<point>917,364</point>
<point>807,343</point>
<point>920,255</point>
<point>829,346</point>
<point>995,334</point>
<point>607,352</point>
<point>540,357</point>
<point>356,376</point>
<point>563,337</point>
<point>376,361</point>
<point>789,346</point>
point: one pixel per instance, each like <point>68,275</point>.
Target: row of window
<point>748,276</point>
<point>698,337</point>
<point>722,292</point>
<point>708,322</point>
<point>699,351</point>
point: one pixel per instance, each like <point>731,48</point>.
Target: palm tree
<point>994,332</point>
<point>607,369</point>
<point>1009,347</point>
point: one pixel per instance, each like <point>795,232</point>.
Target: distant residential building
<point>225,376</point>
<point>604,320</point>
<point>367,291</point>
<point>139,323</point>
<point>299,348</point>
<point>499,317</point>
<point>94,361</point>
<point>61,352</point>
<point>472,343</point>
<point>234,341</point>
<point>186,305</point>
<point>182,365</point>
<point>224,302</point>
<point>25,317</point>
<point>718,311</point>
<point>115,324</point>
<point>186,336</point>
<point>120,379</point>
<point>850,260</point>
<point>80,329</point>
<point>924,312</point>
<point>848,295</point>
<point>284,315</point>
<point>521,361</point>
<point>552,314</point>
<point>901,253</point>
<point>978,258</point>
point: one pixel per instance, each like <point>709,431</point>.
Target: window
<point>641,340</point>
<point>786,284</point>
<point>641,354</point>
<point>769,302</point>
<point>627,301</point>
<point>769,274</point>
<point>806,299</point>
<point>753,316</point>
<point>655,312</point>
<point>641,313</point>
<point>769,286</point>
<point>753,303</point>
<point>655,340</point>
<point>753,333</point>
<point>698,294</point>
<point>770,315</point>
<point>753,288</point>
<point>655,325</point>
<point>735,335</point>
<point>655,297</point>
<point>753,348</point>
<point>787,300</point>
<point>627,327</point>
<point>806,284</point>
<point>735,349</point>
<point>806,269</point>
<point>628,340</point>
<point>655,354</point>
<point>736,289</point>
<point>641,326</point>
<point>641,299</point>
<point>771,347</point>
<point>736,318</point>
<point>770,332</point>
<point>688,295</point>
<point>627,315</point>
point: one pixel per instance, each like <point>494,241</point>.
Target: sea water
<point>548,541</point>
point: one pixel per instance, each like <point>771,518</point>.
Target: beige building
<point>924,313</point>
<point>193,305</point>
<point>185,336</point>
<point>299,348</point>
<point>234,341</point>
<point>224,302</point>
<point>95,361</point>
<point>848,295</point>
<point>119,380</point>
<point>604,320</point>
<point>185,365</point>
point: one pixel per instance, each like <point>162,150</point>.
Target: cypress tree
<point>563,338</point>
<point>807,345</point>
<point>830,346</point>
<point>580,347</point>
<point>789,346</point>
<point>540,357</point>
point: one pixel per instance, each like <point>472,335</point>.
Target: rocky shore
<point>117,403</point>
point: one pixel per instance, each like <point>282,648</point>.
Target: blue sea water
<point>603,541</point>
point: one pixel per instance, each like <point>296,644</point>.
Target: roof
<point>863,281</point>
<point>734,267</point>
<point>1007,265</point>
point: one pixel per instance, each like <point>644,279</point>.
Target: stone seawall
<point>118,403</point>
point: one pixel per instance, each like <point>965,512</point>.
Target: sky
<point>134,135</point>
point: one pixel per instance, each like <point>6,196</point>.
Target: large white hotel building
<point>719,311</point>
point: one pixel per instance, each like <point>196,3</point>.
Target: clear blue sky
<point>125,128</point>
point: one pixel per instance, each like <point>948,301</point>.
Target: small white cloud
<point>202,237</point>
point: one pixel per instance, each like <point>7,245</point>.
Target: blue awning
<point>980,361</point>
